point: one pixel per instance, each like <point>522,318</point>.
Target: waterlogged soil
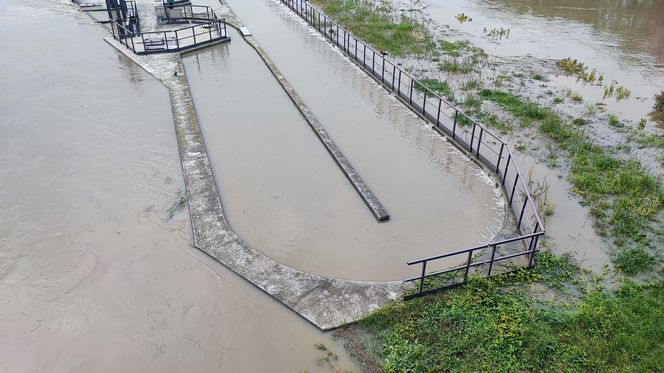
<point>94,276</point>
<point>284,194</point>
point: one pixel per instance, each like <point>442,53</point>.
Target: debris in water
<point>178,204</point>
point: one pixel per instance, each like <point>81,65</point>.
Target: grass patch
<point>453,65</point>
<point>633,261</point>
<point>494,325</point>
<point>650,141</point>
<point>624,198</point>
<point>377,23</point>
<point>440,87</point>
<point>522,109</point>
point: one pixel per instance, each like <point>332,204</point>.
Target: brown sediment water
<point>624,40</point>
<point>570,225</point>
<point>282,192</point>
<point>94,276</point>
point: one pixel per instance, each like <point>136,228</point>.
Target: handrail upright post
<point>440,104</point>
<point>177,40</point>
<point>514,188</point>
<point>410,96</point>
<point>500,158</point>
<point>493,255</point>
<point>166,40</point>
<point>373,63</point>
<point>507,165</point>
<point>472,138</point>
<point>399,84</point>
<point>456,114</point>
<point>394,72</point>
<point>523,209</point>
<point>193,32</point>
<point>364,56</point>
<point>424,102</point>
<point>382,71</point>
<point>424,268</point>
<point>470,258</point>
<point>479,142</point>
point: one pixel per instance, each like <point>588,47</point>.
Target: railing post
<point>336,36</point>
<point>479,142</point>
<point>470,257</point>
<point>507,165</point>
<point>193,32</point>
<point>500,158</point>
<point>394,72</point>
<point>382,70</point>
<point>472,138</point>
<point>356,58</point>
<point>424,102</point>
<point>177,40</point>
<point>373,63</point>
<point>456,114</point>
<point>210,32</point>
<point>523,209</point>
<point>410,96</point>
<point>493,255</point>
<point>534,246</point>
<point>364,56</point>
<point>514,188</point>
<point>424,268</point>
<point>440,103</point>
<point>166,40</point>
<point>399,84</point>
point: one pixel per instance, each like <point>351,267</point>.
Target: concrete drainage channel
<point>325,302</point>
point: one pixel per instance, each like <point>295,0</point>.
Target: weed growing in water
<point>614,121</point>
<point>455,66</point>
<point>462,17</point>
<point>497,33</point>
<point>178,204</point>
<point>440,87</point>
<point>642,123</point>
<point>633,261</point>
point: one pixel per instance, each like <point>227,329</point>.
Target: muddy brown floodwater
<point>93,274</point>
<point>624,40</point>
<point>282,191</point>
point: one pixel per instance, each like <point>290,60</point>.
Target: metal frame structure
<point>473,138</point>
<point>207,29</point>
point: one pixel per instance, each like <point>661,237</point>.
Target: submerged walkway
<point>327,303</point>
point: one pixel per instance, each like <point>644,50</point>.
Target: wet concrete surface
<point>438,199</point>
<point>93,273</point>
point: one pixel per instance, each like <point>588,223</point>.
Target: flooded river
<point>623,39</point>
<point>94,276</point>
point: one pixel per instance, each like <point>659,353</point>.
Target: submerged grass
<point>376,23</point>
<point>624,198</point>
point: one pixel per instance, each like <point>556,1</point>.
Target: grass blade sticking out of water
<point>178,204</point>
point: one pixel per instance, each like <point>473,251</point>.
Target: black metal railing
<point>475,139</point>
<point>209,30</point>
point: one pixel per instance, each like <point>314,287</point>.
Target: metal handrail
<point>435,108</point>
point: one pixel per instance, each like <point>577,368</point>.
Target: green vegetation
<point>178,204</point>
<point>650,141</point>
<point>462,17</point>
<point>453,65</point>
<point>376,24</point>
<point>633,261</point>
<point>614,121</point>
<point>442,88</point>
<point>501,325</point>
<point>658,108</point>
<point>624,198</point>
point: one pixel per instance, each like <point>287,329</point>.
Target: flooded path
<point>94,275</point>
<point>285,196</point>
